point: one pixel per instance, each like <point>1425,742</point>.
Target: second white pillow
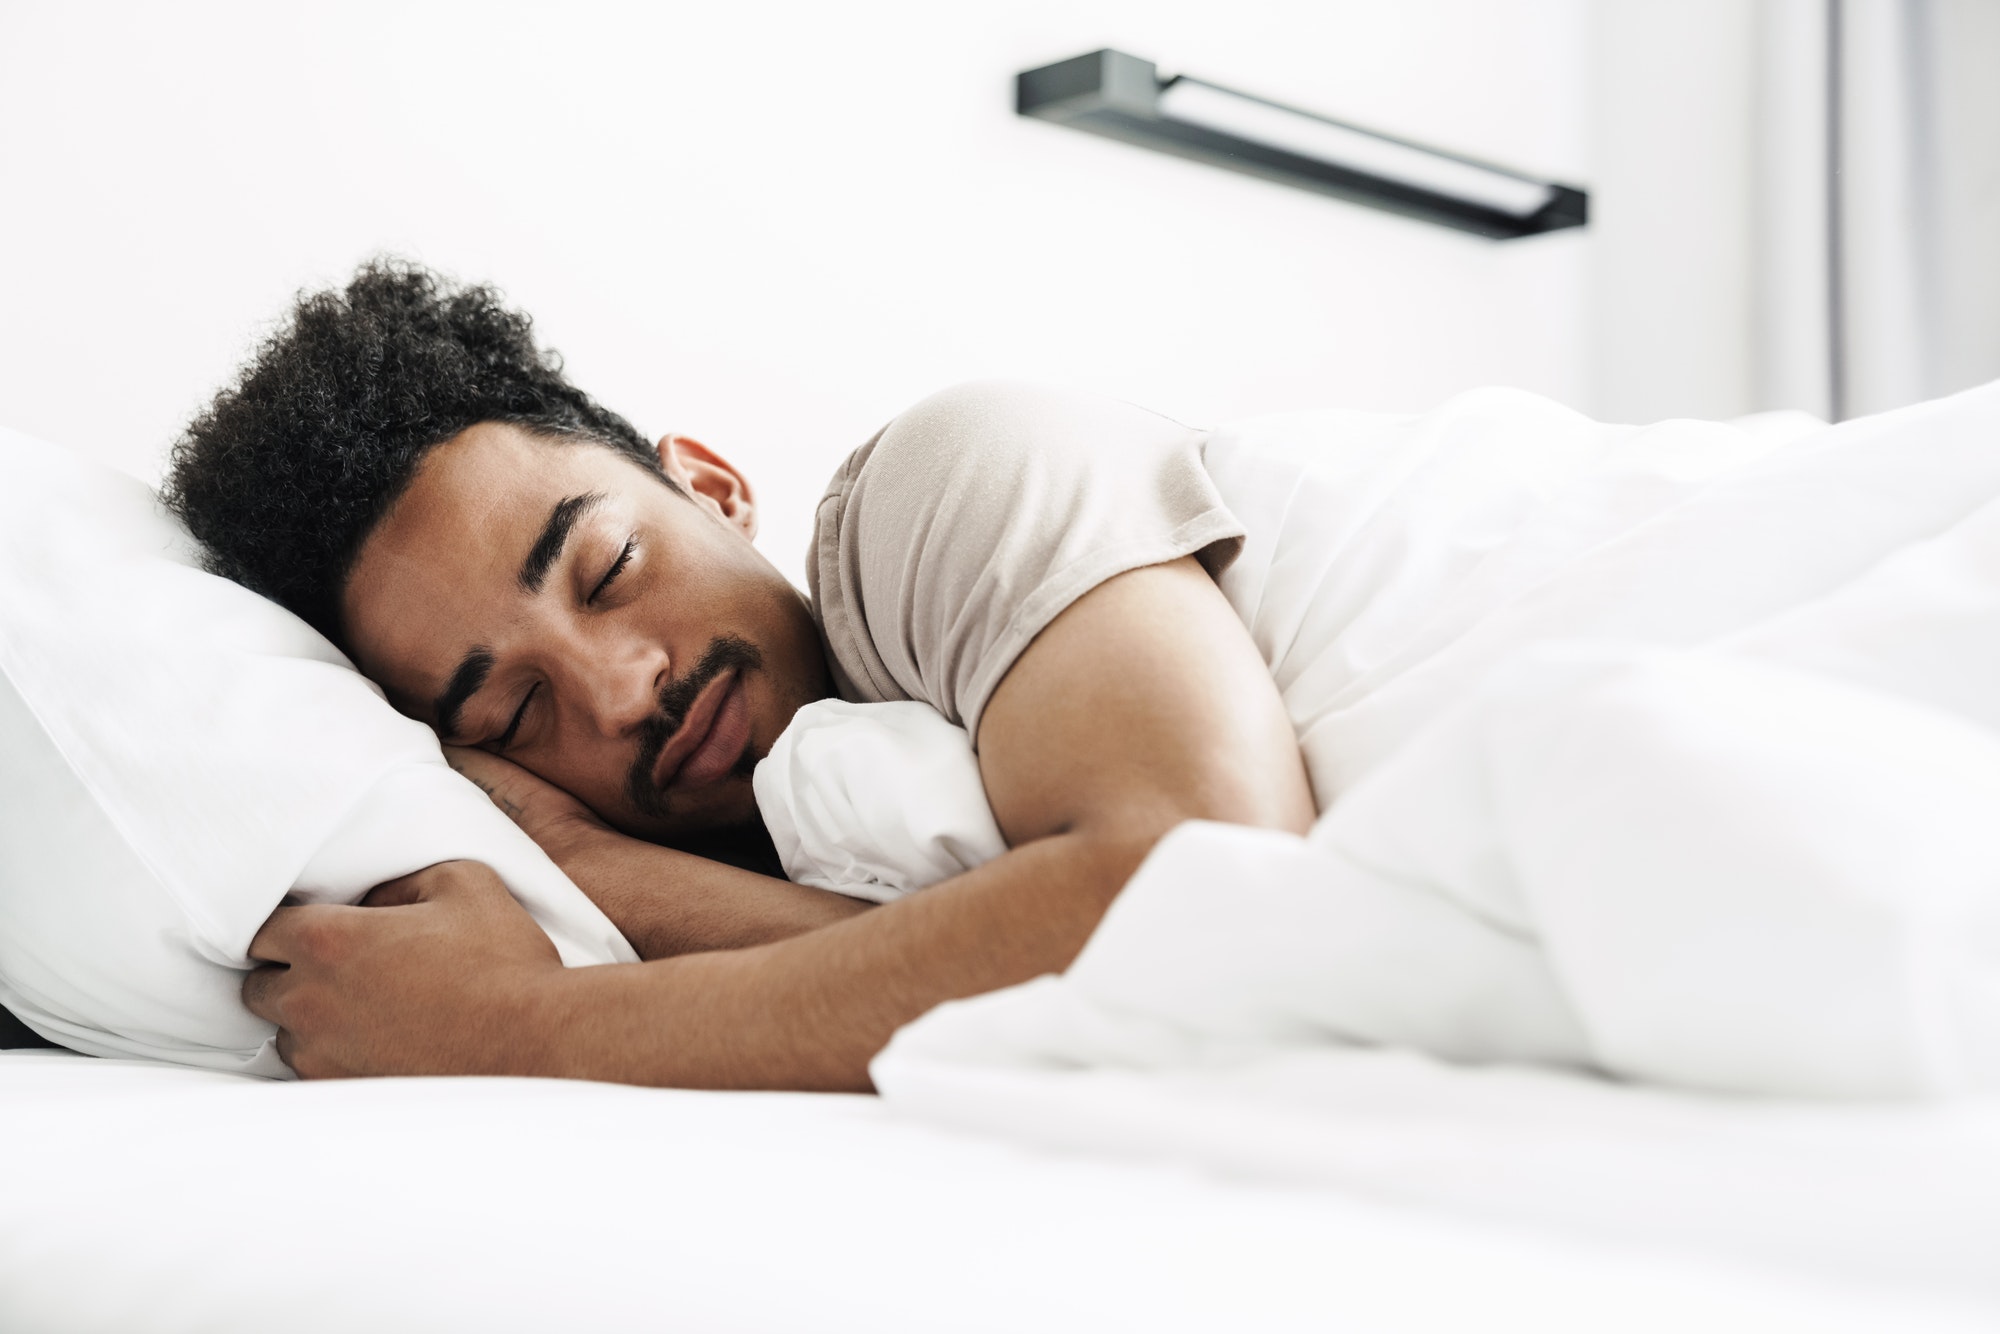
<point>176,755</point>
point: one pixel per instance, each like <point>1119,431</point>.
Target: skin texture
<point>666,902</point>
<point>1142,705</point>
<point>439,577</point>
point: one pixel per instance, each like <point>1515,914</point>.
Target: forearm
<point>666,902</point>
<point>810,1012</point>
<point>671,903</point>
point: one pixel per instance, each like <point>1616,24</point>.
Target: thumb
<point>395,893</point>
<point>442,881</point>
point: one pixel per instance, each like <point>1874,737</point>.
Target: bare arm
<point>665,902</point>
<point>1142,705</point>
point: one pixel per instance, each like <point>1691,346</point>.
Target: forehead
<point>485,473</point>
<point>438,574</point>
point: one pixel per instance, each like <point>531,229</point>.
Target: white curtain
<point>1878,201</point>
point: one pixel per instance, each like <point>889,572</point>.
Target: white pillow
<point>176,755</point>
<point>875,801</point>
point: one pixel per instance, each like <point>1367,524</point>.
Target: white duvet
<point>1667,754</point>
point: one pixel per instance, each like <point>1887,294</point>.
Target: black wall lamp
<point>1123,97</point>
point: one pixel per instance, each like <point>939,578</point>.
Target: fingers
<point>357,990</point>
<point>287,931</point>
<point>306,1063</point>
<point>313,930</point>
<point>263,994</point>
<point>442,881</point>
<point>273,941</point>
<point>398,893</point>
<point>290,991</point>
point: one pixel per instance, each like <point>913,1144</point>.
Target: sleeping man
<point>585,615</point>
<point>1599,731</point>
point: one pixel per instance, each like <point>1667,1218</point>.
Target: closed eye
<point>507,737</point>
<point>617,567</point>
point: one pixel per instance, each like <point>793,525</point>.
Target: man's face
<point>549,601</point>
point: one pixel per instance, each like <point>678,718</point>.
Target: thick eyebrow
<point>549,546</point>
<point>464,684</point>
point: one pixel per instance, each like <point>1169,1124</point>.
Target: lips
<point>710,738</point>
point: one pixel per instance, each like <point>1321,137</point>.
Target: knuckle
<point>307,935</point>
<point>321,939</point>
<point>460,876</point>
<point>459,872</point>
<point>257,987</point>
<point>438,873</point>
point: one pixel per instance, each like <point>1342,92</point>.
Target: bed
<point>143,1197</point>
<point>1003,1181</point>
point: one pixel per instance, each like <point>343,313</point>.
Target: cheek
<point>591,768</point>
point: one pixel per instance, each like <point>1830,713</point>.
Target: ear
<point>711,480</point>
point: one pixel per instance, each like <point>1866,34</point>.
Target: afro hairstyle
<point>284,475</point>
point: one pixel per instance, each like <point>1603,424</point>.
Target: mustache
<point>676,698</point>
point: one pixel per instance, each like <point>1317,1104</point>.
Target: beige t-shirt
<point>945,544</point>
<point>1382,564</point>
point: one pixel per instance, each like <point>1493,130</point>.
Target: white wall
<point>1672,295</point>
<point>766,225</point>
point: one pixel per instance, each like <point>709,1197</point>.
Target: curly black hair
<point>286,473</point>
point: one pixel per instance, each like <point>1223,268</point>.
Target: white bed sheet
<point>141,1198</point>
<point>1897,1194</point>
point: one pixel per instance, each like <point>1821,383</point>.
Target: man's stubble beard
<point>676,698</point>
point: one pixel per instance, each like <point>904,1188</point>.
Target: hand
<point>435,974</point>
<point>551,816</point>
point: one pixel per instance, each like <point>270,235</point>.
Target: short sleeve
<point>949,541</point>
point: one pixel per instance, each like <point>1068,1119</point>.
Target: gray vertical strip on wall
<point>1961,208</point>
<point>1836,304</point>
<point>1921,83</point>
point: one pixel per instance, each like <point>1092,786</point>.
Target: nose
<point>621,685</point>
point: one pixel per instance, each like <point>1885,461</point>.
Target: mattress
<point>144,1198</point>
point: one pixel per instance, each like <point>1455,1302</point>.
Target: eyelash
<point>617,566</point>
<point>507,737</point>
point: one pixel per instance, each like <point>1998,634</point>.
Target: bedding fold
<point>1744,845</point>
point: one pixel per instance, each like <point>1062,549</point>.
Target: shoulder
<point>981,511</point>
<point>985,439</point>
<point>997,425</point>
<point>968,452</point>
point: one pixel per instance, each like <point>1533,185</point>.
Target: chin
<point>725,805</point>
